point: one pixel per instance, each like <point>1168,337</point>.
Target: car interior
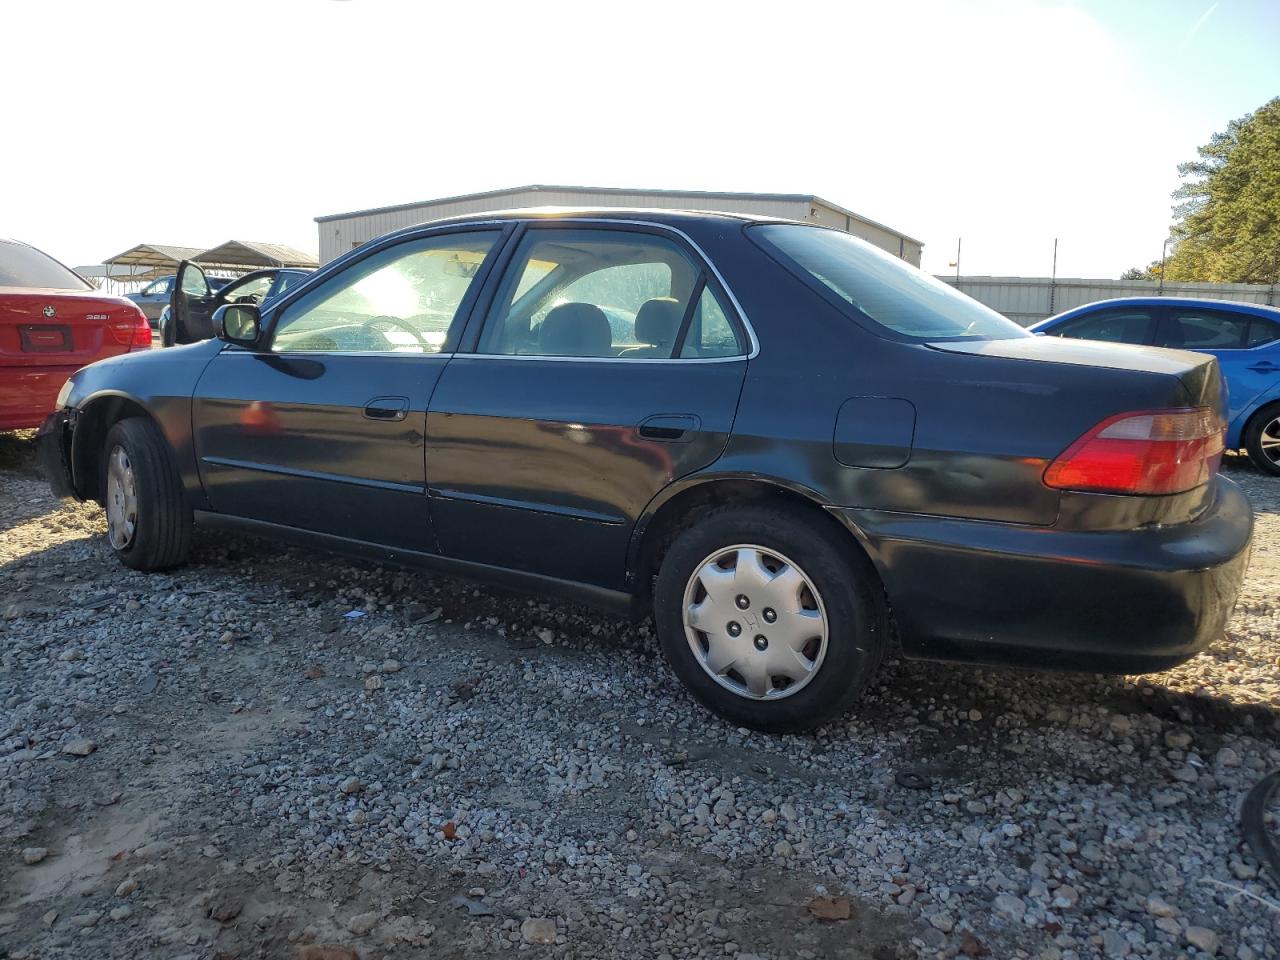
<point>592,294</point>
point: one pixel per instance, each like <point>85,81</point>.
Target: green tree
<point>1227,225</point>
<point>1137,273</point>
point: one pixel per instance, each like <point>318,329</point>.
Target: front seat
<point>657,323</point>
<point>575,330</point>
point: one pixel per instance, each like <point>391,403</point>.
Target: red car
<point>52,323</point>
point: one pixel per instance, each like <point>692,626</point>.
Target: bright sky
<point>1007,122</point>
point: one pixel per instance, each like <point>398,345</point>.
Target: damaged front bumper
<point>53,450</point>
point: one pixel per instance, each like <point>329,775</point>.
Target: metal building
<point>340,232</point>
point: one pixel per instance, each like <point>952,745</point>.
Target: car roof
<point>1256,309</point>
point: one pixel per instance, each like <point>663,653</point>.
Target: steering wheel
<point>372,323</point>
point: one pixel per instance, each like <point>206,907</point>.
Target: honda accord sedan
<point>784,443</point>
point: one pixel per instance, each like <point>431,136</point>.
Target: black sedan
<point>784,443</point>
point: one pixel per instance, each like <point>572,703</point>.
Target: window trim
<point>470,338</point>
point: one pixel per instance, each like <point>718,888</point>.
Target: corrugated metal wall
<point>1030,299</point>
<point>340,235</point>
<point>885,239</point>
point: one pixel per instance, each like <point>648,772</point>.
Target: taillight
<point>141,332</point>
<point>132,332</point>
<point>1146,452</point>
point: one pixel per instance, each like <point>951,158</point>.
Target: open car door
<point>191,306</point>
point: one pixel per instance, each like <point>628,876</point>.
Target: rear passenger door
<point>609,364</point>
<point>1245,346</point>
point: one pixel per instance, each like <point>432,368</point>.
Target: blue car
<point>1245,337</point>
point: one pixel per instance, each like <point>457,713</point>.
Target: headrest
<point>576,330</point>
<point>658,321</point>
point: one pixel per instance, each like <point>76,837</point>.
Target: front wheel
<point>148,519</point>
<point>1262,439</point>
<point>770,617</point>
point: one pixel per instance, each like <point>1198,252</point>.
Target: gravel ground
<point>221,763</point>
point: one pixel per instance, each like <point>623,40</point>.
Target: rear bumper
<point>53,450</point>
<point>28,394</point>
<point>1129,601</point>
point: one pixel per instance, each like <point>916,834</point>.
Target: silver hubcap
<point>122,499</point>
<point>1269,441</point>
<point>755,622</point>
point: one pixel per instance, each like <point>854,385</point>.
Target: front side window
<point>591,293</point>
<point>248,291</point>
<point>878,288</point>
<point>159,288</point>
<point>400,300</point>
<point>1112,326</point>
<point>1203,330</point>
<point>23,266</point>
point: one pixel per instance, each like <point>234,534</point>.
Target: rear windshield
<point>23,266</point>
<point>892,295</point>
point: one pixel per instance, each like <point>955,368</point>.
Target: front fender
<point>157,384</point>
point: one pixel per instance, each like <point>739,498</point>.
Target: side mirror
<point>238,323</point>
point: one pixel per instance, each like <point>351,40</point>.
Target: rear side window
<point>606,294</point>
<point>23,266</point>
<point>1203,330</point>
<point>710,332</point>
<point>879,288</point>
<point>1262,332</point>
<point>1113,326</point>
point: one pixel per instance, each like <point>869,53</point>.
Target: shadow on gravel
<point>18,454</point>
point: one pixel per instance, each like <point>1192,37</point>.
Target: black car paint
<point>535,470</point>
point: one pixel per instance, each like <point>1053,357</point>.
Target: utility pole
<point>957,264</point>
<point>1164,257</point>
<point>1053,279</point>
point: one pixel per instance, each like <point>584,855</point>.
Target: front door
<point>607,366</point>
<point>191,305</point>
<point>322,427</point>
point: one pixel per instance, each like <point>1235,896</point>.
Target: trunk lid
<point>1197,373</point>
<point>62,328</point>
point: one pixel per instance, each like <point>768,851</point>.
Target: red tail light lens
<point>1149,452</point>
<point>132,332</point>
<point>141,332</point>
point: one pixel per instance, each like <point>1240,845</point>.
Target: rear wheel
<point>770,618</point>
<point>148,519</point>
<point>1262,439</point>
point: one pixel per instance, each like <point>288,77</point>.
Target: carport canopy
<point>243,254</point>
<point>147,261</point>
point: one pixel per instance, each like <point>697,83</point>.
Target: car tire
<point>823,675</point>
<point>1261,433</point>
<point>149,521</point>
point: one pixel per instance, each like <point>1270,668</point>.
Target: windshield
<point>23,266</point>
<point>891,294</point>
